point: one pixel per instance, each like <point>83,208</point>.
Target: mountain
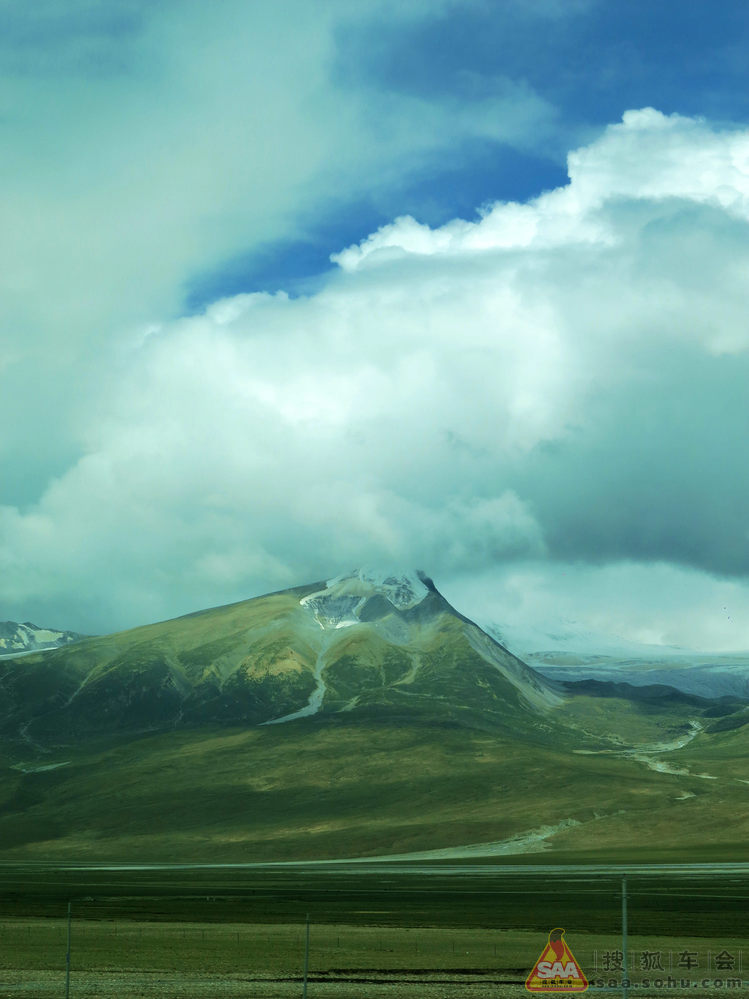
<point>560,636</point>
<point>716,675</point>
<point>16,639</point>
<point>357,716</point>
<point>567,652</point>
<point>361,642</point>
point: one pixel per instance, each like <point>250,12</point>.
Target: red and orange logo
<point>556,970</point>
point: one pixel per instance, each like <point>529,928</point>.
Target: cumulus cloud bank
<point>145,145</point>
<point>556,382</point>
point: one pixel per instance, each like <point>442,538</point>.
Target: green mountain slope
<point>326,788</point>
<point>263,659</point>
<point>357,717</point>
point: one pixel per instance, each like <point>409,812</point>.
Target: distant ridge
<point>18,638</point>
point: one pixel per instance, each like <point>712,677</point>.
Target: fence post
<point>67,958</point>
<point>625,972</point>
<point>306,958</point>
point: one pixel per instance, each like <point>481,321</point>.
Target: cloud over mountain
<point>562,380</point>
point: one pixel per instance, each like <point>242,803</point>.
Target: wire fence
<point>159,956</point>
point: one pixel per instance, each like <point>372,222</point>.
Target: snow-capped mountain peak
<point>16,639</point>
<point>403,588</point>
<point>340,603</point>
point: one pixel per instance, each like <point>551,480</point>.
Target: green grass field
<point>320,789</point>
<point>395,930</point>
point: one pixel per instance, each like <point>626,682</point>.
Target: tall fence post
<point>306,958</point>
<point>625,972</point>
<point>67,957</point>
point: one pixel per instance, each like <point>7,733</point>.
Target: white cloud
<point>650,604</point>
<point>557,380</point>
<point>648,156</point>
<point>144,145</point>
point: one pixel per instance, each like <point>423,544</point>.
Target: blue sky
<point>291,287</point>
<point>589,61</point>
<point>440,192</point>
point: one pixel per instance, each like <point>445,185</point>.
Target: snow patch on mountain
<point>18,639</point>
<point>338,605</point>
<point>404,588</point>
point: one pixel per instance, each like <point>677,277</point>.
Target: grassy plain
<point>324,788</point>
<point>396,931</point>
